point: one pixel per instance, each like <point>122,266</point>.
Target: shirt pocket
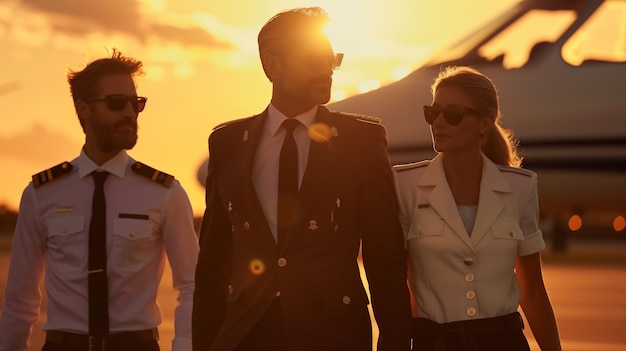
<point>424,226</point>
<point>66,244</point>
<point>507,229</point>
<point>132,241</point>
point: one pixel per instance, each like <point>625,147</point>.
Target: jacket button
<point>282,262</point>
<point>512,234</point>
<point>346,300</point>
<point>469,277</point>
<point>468,261</point>
<point>470,295</point>
<point>246,225</point>
<point>471,311</point>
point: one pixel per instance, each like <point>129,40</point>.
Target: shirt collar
<point>116,165</point>
<point>275,118</point>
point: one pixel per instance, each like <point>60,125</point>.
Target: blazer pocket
<point>67,244</point>
<point>507,229</point>
<point>426,226</point>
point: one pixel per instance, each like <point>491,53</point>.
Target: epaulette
<point>51,174</point>
<point>362,117</point>
<point>155,175</point>
<point>407,166</point>
<point>517,170</point>
<point>227,123</point>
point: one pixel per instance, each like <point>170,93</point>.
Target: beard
<point>121,135</point>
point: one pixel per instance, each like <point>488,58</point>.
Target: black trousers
<point>268,334</point>
<point>489,334</point>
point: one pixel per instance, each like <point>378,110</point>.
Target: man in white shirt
<point>99,228</point>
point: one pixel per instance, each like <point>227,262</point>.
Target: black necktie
<point>287,179</point>
<point>98,286</point>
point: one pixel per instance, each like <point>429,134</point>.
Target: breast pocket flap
<point>66,226</point>
<point>132,229</point>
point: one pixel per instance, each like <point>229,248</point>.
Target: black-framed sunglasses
<point>117,102</point>
<point>452,114</point>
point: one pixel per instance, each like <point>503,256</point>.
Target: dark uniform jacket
<point>347,194</point>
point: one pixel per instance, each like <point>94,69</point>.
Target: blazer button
<point>470,295</point>
<point>346,300</point>
<point>468,261</point>
<point>512,234</point>
<point>421,232</point>
<point>469,277</point>
<point>282,262</point>
<point>246,225</point>
<point>471,311</point>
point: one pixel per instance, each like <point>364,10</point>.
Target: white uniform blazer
<point>455,276</point>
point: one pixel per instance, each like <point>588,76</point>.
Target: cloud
<point>38,144</point>
<point>80,18</point>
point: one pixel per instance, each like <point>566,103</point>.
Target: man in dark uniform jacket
<point>259,287</point>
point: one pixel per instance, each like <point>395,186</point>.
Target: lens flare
<point>619,223</point>
<point>319,132</point>
<point>257,267</point>
<point>575,223</point>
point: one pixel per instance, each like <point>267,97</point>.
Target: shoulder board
<point>517,170</point>
<point>51,174</point>
<point>153,174</point>
<point>413,165</point>
<point>362,117</point>
<point>234,121</point>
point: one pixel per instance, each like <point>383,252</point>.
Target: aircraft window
<point>528,34</point>
<point>602,37</point>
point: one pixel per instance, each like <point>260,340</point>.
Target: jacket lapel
<point>317,181</point>
<point>441,199</point>
<point>490,203</point>
<point>242,173</point>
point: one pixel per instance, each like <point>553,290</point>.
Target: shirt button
<point>468,261</point>
<point>246,225</point>
<point>346,300</point>
<point>471,311</point>
<point>64,230</point>
<point>282,262</point>
<point>512,234</point>
<point>421,232</point>
<point>469,277</point>
<point>132,234</point>
<point>470,295</point>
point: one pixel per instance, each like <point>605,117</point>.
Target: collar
<point>276,118</point>
<point>116,166</point>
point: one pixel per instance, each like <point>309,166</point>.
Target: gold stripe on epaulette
<point>517,170</point>
<point>153,174</point>
<point>51,174</point>
<point>407,166</point>
<point>362,117</point>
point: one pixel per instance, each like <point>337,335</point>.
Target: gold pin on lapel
<point>313,225</point>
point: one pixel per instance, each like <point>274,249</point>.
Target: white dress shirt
<point>145,222</point>
<point>265,167</point>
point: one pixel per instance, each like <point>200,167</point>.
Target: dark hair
<point>281,32</point>
<point>499,144</point>
<point>84,83</point>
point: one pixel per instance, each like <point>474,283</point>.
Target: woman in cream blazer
<point>470,220</point>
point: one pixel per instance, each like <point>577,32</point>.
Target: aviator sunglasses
<point>117,102</point>
<point>452,114</point>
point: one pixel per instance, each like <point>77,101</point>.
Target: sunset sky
<point>201,64</point>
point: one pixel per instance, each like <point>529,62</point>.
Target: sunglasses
<point>452,114</point>
<point>118,102</point>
